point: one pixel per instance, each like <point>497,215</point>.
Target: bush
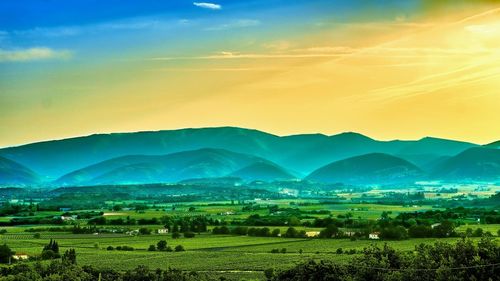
<point>144,231</point>
<point>110,248</point>
<point>49,255</point>
<point>339,251</point>
<point>161,245</point>
<point>169,249</point>
<point>179,248</point>
<point>275,251</point>
<point>283,250</point>
<point>189,234</point>
<point>36,236</point>
<point>176,235</point>
<point>478,232</point>
<point>152,248</point>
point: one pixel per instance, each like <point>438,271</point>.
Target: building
<point>435,225</point>
<point>374,235</point>
<point>311,234</point>
<point>349,233</point>
<point>20,256</point>
<point>162,231</point>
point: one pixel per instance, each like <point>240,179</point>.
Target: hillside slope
<point>373,168</point>
<point>15,174</point>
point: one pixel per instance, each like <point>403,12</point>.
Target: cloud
<point>241,23</point>
<point>33,54</point>
<point>205,5</point>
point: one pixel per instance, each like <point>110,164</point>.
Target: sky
<point>386,69</point>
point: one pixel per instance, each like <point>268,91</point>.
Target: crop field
<point>213,254</point>
<point>235,257</point>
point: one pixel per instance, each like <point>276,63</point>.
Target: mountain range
<point>187,154</point>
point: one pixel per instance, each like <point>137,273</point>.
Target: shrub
<point>169,249</point>
<point>49,254</point>
<point>189,234</point>
<point>152,248</point>
<point>144,231</point>
<point>176,235</point>
<point>339,251</point>
<point>283,250</point>
<point>275,251</point>
<point>110,248</point>
<point>161,245</point>
<point>179,248</point>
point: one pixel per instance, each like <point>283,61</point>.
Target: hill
<point>142,169</point>
<point>493,145</point>
<point>264,171</point>
<point>15,174</point>
<point>301,153</point>
<point>476,164</point>
<point>373,168</point>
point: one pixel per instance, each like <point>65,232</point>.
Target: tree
<point>276,232</point>
<point>420,231</point>
<point>51,250</point>
<point>69,257</point>
<point>291,232</point>
<point>5,253</point>
<point>478,232</point>
<point>329,232</point>
<point>161,245</point>
<point>144,231</point>
<point>445,229</point>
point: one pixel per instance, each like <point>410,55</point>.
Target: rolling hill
<point>493,145</point>
<point>474,164</point>
<point>141,169</point>
<point>264,171</point>
<point>15,174</point>
<point>373,168</point>
<point>301,153</point>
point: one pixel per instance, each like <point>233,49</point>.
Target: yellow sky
<point>438,75</point>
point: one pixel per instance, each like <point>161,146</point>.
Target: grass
<point>205,252</point>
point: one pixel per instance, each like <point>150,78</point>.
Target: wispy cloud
<point>241,23</point>
<point>205,5</point>
<point>33,54</point>
<point>111,26</point>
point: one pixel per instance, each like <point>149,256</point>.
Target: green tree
<point>69,257</point>
<point>5,253</point>
<point>161,245</point>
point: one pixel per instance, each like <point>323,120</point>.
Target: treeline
<point>64,271</point>
<point>461,261</point>
<point>488,216</point>
<point>259,232</point>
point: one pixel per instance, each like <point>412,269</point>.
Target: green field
<point>209,253</point>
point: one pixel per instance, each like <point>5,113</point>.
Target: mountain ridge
<point>301,153</point>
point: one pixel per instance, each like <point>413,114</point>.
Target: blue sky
<point>159,63</point>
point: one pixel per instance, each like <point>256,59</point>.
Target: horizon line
<point>234,127</point>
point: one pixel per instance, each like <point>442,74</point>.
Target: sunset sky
<point>387,69</point>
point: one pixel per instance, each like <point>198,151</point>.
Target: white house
<point>162,231</point>
<point>312,234</point>
<point>20,256</point>
<point>374,235</point>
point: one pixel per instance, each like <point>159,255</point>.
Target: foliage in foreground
<point>441,261</point>
<point>463,260</point>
